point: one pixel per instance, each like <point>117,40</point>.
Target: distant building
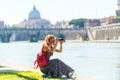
<point>35,20</point>
<point>100,22</point>
<point>104,21</point>
<point>34,14</point>
<point>58,24</point>
<point>92,23</point>
<point>62,24</point>
<point>118,11</point>
<point>1,24</point>
<point>109,20</point>
<point>65,24</point>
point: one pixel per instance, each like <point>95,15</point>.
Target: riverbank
<point>9,71</point>
<point>10,67</point>
<point>23,75</point>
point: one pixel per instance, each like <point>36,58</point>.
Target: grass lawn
<point>28,75</point>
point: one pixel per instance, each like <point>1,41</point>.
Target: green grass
<point>28,75</point>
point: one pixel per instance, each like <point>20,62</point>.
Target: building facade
<point>92,23</point>
<point>118,11</point>
<point>34,20</point>
<point>1,24</point>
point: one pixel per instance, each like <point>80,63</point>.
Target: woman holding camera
<point>54,67</point>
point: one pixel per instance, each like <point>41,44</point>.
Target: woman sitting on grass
<point>55,67</point>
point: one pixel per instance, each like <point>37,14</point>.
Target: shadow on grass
<point>25,77</point>
<point>28,76</point>
<point>19,75</point>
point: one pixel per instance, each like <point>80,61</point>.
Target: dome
<point>34,14</point>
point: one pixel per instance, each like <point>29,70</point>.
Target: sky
<point>15,11</point>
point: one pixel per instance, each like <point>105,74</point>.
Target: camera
<point>61,39</point>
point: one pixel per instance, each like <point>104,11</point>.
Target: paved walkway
<point>8,67</point>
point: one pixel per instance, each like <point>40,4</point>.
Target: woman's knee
<point>56,59</point>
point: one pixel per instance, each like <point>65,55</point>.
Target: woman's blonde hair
<point>48,37</point>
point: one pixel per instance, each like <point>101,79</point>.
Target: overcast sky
<point>15,11</point>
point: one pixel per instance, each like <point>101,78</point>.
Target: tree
<point>78,22</point>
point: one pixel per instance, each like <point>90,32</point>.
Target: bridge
<point>35,34</point>
<point>107,32</point>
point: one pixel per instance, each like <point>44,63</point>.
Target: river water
<point>97,60</point>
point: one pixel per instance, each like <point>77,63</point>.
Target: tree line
<point>78,22</point>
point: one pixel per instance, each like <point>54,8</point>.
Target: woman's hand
<point>61,42</point>
<point>60,48</point>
